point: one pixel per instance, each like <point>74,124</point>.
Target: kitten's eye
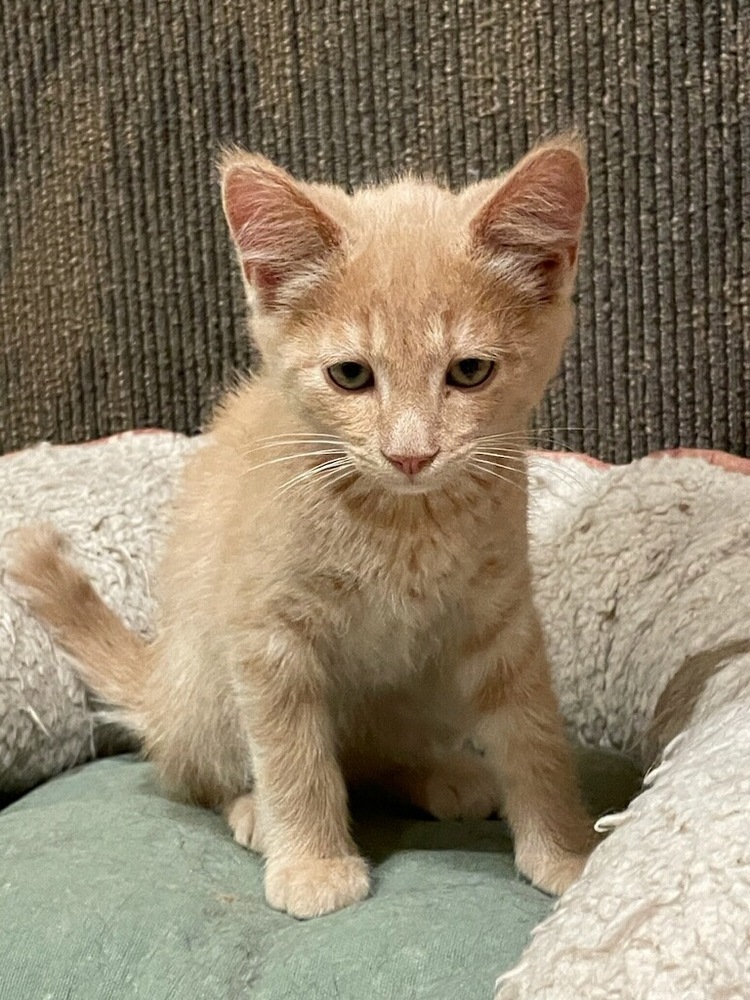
<point>351,375</point>
<point>470,372</point>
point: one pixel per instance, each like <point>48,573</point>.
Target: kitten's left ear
<point>528,231</point>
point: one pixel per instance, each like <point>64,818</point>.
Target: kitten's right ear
<point>284,240</point>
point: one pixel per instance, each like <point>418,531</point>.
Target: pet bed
<point>109,890</point>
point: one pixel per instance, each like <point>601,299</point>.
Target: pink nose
<point>410,465</point>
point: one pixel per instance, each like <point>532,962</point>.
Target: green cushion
<point>110,891</point>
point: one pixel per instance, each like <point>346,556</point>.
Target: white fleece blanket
<point>642,574</point>
<point>642,570</point>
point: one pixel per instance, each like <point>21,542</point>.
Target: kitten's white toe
<point>242,816</point>
<point>310,887</point>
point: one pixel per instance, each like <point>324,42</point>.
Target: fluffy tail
<point>112,660</point>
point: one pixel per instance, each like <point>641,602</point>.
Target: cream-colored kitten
<point>346,593</point>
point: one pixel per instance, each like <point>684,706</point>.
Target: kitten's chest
<point>402,605</point>
<point>419,569</point>
<point>383,640</point>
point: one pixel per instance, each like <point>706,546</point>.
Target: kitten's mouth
<point>416,485</point>
<point>412,483</point>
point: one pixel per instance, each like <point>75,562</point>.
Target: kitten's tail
<point>112,660</point>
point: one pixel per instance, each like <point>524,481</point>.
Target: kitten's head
<point>414,324</point>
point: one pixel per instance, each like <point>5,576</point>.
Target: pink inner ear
<point>530,228</point>
<point>282,237</point>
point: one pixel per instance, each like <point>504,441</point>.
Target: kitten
<point>346,594</point>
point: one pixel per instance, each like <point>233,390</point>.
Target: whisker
<point>569,428</point>
<point>302,434</point>
<point>511,455</point>
<point>550,443</point>
<point>535,436</point>
<point>519,440</point>
<point>565,476</point>
<point>514,455</point>
<point>513,463</point>
<point>547,428</point>
<point>286,440</point>
<point>332,466</point>
<point>500,465</point>
<point>563,473</point>
<point>329,480</point>
<point>562,470</point>
<point>548,437</point>
<point>314,489</point>
<point>311,474</point>
<point>530,443</point>
<point>290,458</point>
<point>520,444</point>
<point>497,439</point>
<point>566,427</point>
<point>518,459</point>
<point>482,466</point>
<point>311,442</point>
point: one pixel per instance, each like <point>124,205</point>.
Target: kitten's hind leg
<point>242,815</point>
<point>457,786</point>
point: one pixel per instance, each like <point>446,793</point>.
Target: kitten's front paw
<point>552,871</point>
<point>310,887</point>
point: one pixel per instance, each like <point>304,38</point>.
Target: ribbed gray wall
<point>119,305</point>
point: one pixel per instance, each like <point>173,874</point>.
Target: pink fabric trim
<point>84,444</point>
<point>595,463</point>
<point>722,459</point>
<point>732,463</point>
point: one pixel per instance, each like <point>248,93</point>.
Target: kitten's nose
<point>410,465</point>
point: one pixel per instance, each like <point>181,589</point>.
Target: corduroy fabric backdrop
<point>119,303</point>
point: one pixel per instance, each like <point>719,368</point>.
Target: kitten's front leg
<point>312,864</point>
<point>524,741</point>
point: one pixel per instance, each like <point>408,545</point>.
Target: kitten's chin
<point>413,485</point>
<point>410,488</point>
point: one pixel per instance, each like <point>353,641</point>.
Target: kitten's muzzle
<point>410,465</point>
